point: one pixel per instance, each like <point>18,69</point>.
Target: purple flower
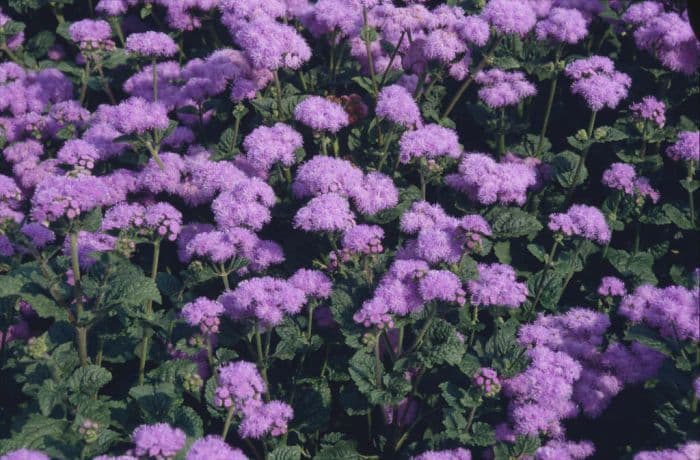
<point>312,282</point>
<point>502,89</point>
<point>152,44</point>
<point>326,213</point>
<point>639,13</point>
<point>266,146</point>
<point>240,384</point>
<point>322,174</point>
<point>429,141</point>
<point>488,182</point>
<point>376,193</point>
<point>686,451</point>
<point>204,313</point>
<point>271,45</point>
<point>24,454</point>
<point>611,286</point>
<point>597,81</point>
<point>620,176</point>
<point>363,239</point>
<point>497,286</point>
<point>220,247</point>
<point>454,454</point>
<point>583,221</point>
<point>23,151</point>
<point>63,196</point>
<point>246,204</point>
<point>213,448</point>
<point>487,379</point>
<point>136,116</point>
<point>473,29</point>
<point>397,105</point>
<point>441,285</point>
<point>686,148</point>
<point>38,235</point>
<point>672,310</point>
<point>264,299</point>
<point>111,7</point>
<point>89,33</point>
<point>259,420</point>
<point>159,441</point>
<point>565,25</point>
<point>670,37</point>
<point>565,450</point>
<point>650,108</point>
<point>320,114</point>
<point>510,16</point>
<point>79,154</point>
<point>88,244</point>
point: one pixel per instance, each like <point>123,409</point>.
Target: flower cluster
<point>583,221</point>
<point>596,80</point>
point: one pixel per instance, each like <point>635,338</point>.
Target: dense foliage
<point>349,229</point>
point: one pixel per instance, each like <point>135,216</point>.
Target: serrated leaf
<point>89,379</point>
<point>509,223</point>
<point>285,453</point>
<point>564,167</point>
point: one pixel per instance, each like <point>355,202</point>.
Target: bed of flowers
<point>349,229</point>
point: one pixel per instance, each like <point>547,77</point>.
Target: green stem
<point>502,133</point>
<point>548,264</point>
<point>550,102</point>
<point>378,361</point>
<point>391,59</point>
<point>423,331</point>
<point>470,419</point>
<point>399,346</point>
<point>582,158</point>
<point>475,321</point>
<point>637,235</point>
<point>154,154</point>
<point>570,274</point>
<point>423,183</point>
<point>260,358</point>
<point>691,199</point>
<point>370,60</point>
<point>84,82</point>
<point>105,86</point>
<point>146,338</point>
<point>227,422</point>
<point>617,207</point>
<point>117,29</point>
<point>224,276</point>
<point>463,87</point>
<point>81,331</point>
<point>278,87</point>
<point>155,81</point>
<point>310,320</point>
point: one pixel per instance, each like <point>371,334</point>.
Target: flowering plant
<point>357,229</point>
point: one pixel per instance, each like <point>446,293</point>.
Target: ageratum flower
<point>488,182</point>
<point>312,282</point>
<point>650,108</point>
<point>430,141</point>
<point>320,114</point>
<point>611,286</point>
<point>271,45</point>
<point>159,441</point>
<point>563,449</point>
<point>212,447</point>
<point>686,148</point>
<point>497,286</point>
<point>78,153</point>
<point>269,418</point>
<point>151,44</point>
<point>265,146</point>
<point>596,80</point>
<point>363,239</point>
<point>687,451</point>
<point>581,220</point>
<point>322,174</point>
<point>671,38</point>
<point>24,454</point>
<point>265,299</point>
<point>502,89</point>
<point>63,196</point>
<point>510,16</point>
<point>329,212</point>
<point>246,204</point>
<point>203,313</point>
<point>454,454</point>
<point>38,235</point>
<point>563,25</point>
<point>397,105</point>
<point>91,34</point>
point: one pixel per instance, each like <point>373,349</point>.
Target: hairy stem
<point>391,59</point>
<point>81,331</point>
<point>227,422</point>
<point>550,102</point>
<point>582,158</point>
<point>146,337</point>
<point>548,264</point>
<point>370,60</point>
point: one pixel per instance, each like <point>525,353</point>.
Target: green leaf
<point>342,450</point>
<point>648,337</point>
<point>507,223</point>
<point>678,217</point>
<point>285,453</point>
<point>128,287</point>
<point>313,409</point>
<point>89,379</point>
<point>441,345</point>
<point>564,167</point>
<point>155,401</point>
<point>482,435</point>
<point>502,251</point>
